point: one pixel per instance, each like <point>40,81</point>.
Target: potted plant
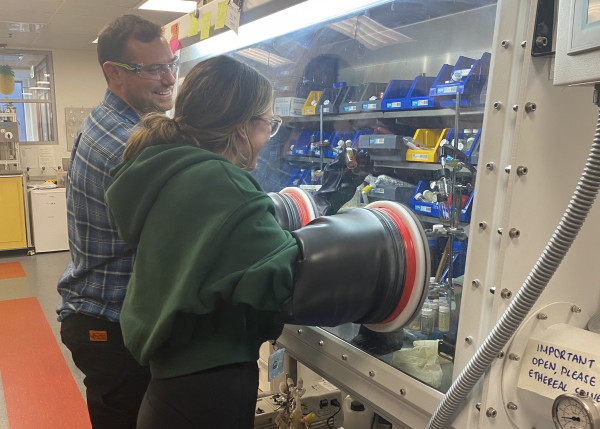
<point>7,79</point>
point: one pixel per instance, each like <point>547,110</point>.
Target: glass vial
<point>444,318</point>
<point>415,324</point>
<point>427,320</point>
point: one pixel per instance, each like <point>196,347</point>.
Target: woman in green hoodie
<point>215,274</point>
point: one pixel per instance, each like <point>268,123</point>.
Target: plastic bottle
<point>356,414</point>
<point>444,317</point>
<point>469,140</point>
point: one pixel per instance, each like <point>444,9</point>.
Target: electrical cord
<point>535,283</point>
<point>331,419</point>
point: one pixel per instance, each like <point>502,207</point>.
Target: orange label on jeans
<point>98,335</point>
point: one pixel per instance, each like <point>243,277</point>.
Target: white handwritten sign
<point>562,360</point>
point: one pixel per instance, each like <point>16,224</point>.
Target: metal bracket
<point>543,33</point>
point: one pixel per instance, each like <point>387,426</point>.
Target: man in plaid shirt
<point>140,71</point>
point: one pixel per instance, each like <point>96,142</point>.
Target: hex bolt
<point>499,231</point>
<point>541,316</point>
<point>344,357</point>
<point>514,233</point>
<point>541,41</point>
<point>514,356</point>
<point>515,107</point>
<point>489,166</point>
<point>321,343</point>
<point>475,283</point>
<point>505,293</point>
<point>478,406</point>
<point>403,392</point>
<point>505,44</point>
<point>511,406</point>
<point>501,355</point>
<point>482,225</point>
<point>576,309</point>
<point>491,413</point>
<point>522,170</point>
<point>523,44</point>
<point>300,331</point>
<point>493,290</point>
<point>497,105</point>
<point>530,107</point>
<point>469,340</point>
<point>507,169</point>
<point>371,373</point>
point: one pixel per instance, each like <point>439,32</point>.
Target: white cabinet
<point>49,219</point>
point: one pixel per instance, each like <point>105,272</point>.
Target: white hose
<point>547,264</point>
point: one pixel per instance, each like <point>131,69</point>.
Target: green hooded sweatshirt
<point>212,266</point>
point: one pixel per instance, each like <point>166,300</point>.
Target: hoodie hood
<point>137,183</point>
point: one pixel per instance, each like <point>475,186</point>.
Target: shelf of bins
<point>296,159</point>
<point>476,113</point>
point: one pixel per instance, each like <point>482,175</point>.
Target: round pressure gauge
<point>575,411</point>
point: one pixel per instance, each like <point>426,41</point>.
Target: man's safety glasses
<point>151,71</point>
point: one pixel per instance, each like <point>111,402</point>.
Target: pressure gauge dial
<point>575,411</point>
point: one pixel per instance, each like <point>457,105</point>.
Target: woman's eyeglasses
<point>274,122</point>
<point>151,71</point>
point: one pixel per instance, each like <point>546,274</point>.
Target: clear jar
<point>427,321</point>
<point>444,318</point>
<point>415,324</point>
<point>435,305</point>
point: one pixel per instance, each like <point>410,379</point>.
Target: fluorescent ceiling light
<point>11,57</point>
<point>264,57</point>
<point>25,27</point>
<point>369,32</point>
<point>40,87</point>
<point>302,15</point>
<point>170,5</point>
<point>43,82</point>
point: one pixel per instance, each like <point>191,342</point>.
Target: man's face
<point>147,95</point>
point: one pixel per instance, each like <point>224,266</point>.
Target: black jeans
<point>115,383</point>
<point>223,397</point>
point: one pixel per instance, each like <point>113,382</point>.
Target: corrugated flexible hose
<point>547,264</point>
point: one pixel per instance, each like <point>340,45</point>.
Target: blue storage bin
<point>357,134</point>
<point>408,94</point>
<point>303,146</point>
<point>302,143</point>
<point>467,77</point>
<point>471,151</point>
<point>433,209</point>
<point>316,150</point>
<point>337,136</point>
<point>297,177</point>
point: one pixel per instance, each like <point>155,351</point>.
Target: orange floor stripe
<point>39,390</point>
<point>11,270</point>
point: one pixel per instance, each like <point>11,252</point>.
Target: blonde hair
<point>217,96</point>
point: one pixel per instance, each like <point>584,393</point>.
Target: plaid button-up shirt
<point>95,280</point>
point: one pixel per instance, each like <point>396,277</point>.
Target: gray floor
<point>42,272</point>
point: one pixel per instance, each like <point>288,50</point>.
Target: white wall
<point>79,82</point>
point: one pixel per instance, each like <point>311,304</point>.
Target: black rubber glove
<point>339,183</point>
